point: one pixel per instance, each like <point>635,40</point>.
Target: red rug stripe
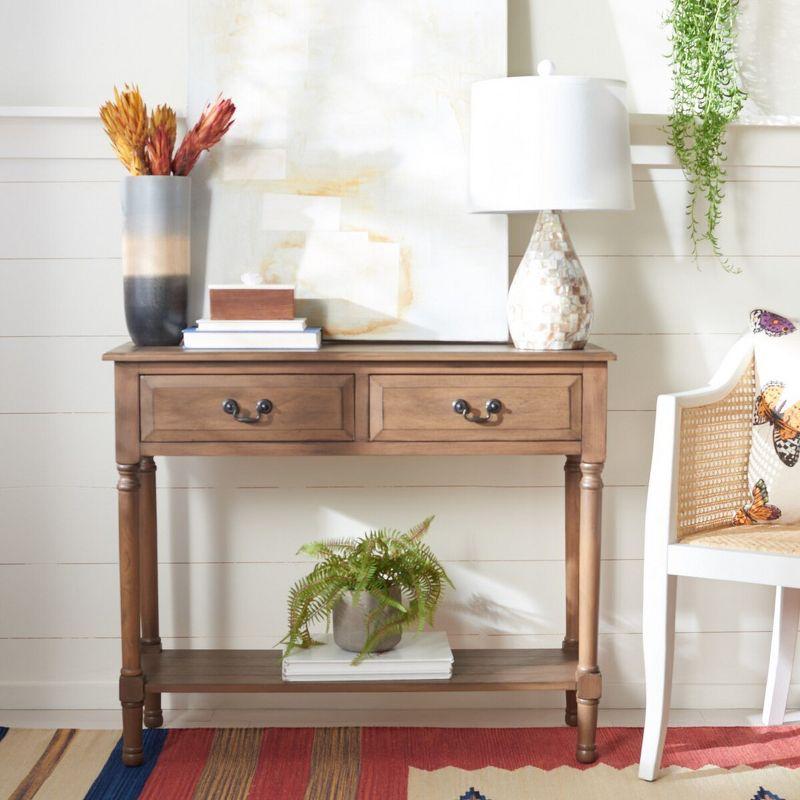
<point>180,765</point>
<point>729,747</point>
<point>387,753</point>
<point>284,764</point>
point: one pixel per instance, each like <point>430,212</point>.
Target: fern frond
<point>421,528</point>
<point>377,563</point>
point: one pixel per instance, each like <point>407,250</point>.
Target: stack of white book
<point>419,657</point>
<point>255,334</point>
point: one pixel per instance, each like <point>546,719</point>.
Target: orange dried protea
<point>164,117</point>
<point>210,128</point>
<point>158,152</point>
<point>161,140</point>
<point>125,122</point>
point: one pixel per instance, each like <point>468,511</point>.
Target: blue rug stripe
<point>3,732</point>
<point>118,782</point>
<point>764,794</point>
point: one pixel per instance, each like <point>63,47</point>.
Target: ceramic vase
<point>155,257</point>
<point>550,302</point>
<point>351,627</point>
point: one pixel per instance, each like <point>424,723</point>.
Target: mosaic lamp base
<point>550,302</point>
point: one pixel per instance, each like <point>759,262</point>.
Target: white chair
<point>697,480</point>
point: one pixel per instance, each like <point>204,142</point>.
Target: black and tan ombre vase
<point>155,257</point>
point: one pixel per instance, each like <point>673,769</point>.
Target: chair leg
<point>658,635</point>
<point>781,656</point>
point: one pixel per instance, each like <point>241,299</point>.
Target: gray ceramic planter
<point>155,257</point>
<point>350,621</point>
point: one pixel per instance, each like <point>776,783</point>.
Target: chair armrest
<point>701,447</point>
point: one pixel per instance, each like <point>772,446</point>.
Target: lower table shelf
<point>260,671</point>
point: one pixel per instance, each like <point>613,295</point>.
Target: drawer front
<point>419,408</point>
<point>304,408</point>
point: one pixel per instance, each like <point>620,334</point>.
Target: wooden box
<point>251,302</point>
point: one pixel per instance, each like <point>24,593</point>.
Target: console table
<point>357,399</point>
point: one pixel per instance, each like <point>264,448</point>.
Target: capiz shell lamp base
<point>549,143</point>
<point>550,302</point>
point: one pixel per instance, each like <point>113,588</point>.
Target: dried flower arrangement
<point>145,144</point>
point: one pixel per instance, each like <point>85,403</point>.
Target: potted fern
<point>373,588</point>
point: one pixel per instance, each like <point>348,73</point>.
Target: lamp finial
<point>546,68</point>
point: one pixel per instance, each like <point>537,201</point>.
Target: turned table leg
<point>572,508</point>
<point>588,676</point>
<point>131,682</point>
<point>148,579</point>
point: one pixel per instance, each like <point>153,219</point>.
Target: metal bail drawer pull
<point>230,406</point>
<point>462,407</point>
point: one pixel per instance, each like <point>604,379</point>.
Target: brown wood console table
<point>357,399</point>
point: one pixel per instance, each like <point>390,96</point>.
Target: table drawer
<point>420,408</point>
<point>299,408</point>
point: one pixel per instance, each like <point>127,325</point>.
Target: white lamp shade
<point>549,142</point>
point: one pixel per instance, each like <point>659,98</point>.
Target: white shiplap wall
<point>230,528</point>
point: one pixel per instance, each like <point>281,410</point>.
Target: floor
<point>485,718</point>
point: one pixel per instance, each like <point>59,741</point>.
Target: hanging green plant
<point>706,98</point>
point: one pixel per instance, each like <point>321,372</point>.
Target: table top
<point>365,351</point>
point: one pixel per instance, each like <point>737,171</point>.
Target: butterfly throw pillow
<point>773,469</point>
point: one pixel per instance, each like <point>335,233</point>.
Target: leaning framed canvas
<point>345,172</point>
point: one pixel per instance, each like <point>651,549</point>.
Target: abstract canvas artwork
<point>346,170</point>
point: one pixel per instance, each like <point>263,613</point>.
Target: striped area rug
<point>396,764</point>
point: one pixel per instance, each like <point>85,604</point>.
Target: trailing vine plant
<point>706,98</point>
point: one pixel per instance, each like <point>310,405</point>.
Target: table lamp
<point>549,143</point>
